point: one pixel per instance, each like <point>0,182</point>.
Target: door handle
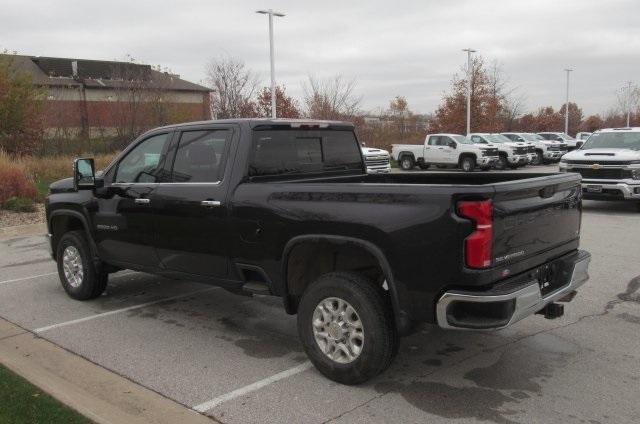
<point>440,148</point>
<point>142,201</point>
<point>210,203</point>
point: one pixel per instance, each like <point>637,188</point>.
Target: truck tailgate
<point>535,215</point>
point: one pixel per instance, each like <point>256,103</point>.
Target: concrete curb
<point>93,391</point>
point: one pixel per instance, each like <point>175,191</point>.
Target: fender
<point>403,322</point>
<point>85,224</point>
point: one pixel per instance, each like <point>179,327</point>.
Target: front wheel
<point>346,327</point>
<point>80,277</point>
<point>538,160</point>
<point>407,163</point>
<point>501,163</point>
<point>468,164</point>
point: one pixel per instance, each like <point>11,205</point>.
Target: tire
<point>539,159</point>
<point>485,168</point>
<point>407,163</point>
<point>379,341</point>
<point>424,166</point>
<point>91,281</point>
<point>467,164</point>
<point>501,163</point>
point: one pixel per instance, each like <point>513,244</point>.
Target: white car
<point>571,142</point>
<point>445,150</point>
<point>609,162</point>
<point>376,160</point>
<point>545,150</point>
<point>582,136</point>
<point>511,154</point>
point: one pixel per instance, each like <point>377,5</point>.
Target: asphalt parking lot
<point>238,359</point>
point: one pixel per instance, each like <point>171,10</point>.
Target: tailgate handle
<point>210,203</point>
<point>547,192</point>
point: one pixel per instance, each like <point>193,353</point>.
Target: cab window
<point>200,156</point>
<point>143,164</point>
<point>434,140</point>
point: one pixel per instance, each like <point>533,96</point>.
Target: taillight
<point>478,245</point>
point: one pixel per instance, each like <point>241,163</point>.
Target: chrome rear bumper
<point>524,300</point>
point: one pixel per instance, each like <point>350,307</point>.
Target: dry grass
<point>42,171</point>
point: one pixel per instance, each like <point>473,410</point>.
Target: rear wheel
<point>407,163</point>
<point>467,164</point>
<point>80,277</point>
<point>346,327</point>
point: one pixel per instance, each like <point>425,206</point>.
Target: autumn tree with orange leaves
<point>286,106</point>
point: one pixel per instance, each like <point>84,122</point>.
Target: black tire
<point>407,163</point>
<point>423,166</point>
<point>468,164</point>
<point>93,281</point>
<point>501,163</point>
<point>373,308</point>
<point>539,159</point>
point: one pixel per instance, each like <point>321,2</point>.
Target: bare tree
<point>331,98</point>
<point>234,87</point>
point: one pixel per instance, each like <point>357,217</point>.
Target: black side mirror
<point>84,174</point>
<point>452,144</point>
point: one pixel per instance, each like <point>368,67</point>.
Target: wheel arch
<point>64,220</point>
<point>401,317</point>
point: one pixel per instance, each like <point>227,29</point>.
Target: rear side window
<point>279,152</point>
<point>200,156</point>
<point>434,140</point>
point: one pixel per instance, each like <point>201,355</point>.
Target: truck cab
<point>446,150</point>
<point>511,154</point>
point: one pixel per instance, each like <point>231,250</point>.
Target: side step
<point>255,287</point>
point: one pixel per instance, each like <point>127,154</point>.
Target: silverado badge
<point>595,166</point>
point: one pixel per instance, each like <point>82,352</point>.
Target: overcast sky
<point>408,48</point>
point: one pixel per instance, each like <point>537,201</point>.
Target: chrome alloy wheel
<point>72,265</point>
<point>338,330</point>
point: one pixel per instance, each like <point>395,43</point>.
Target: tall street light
<point>566,105</point>
<point>271,14</point>
<point>469,76</point>
<point>628,103</point>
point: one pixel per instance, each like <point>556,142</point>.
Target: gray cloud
<point>409,48</point>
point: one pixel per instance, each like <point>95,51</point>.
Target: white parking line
<point>117,311</point>
<point>252,387</point>
<point>26,278</point>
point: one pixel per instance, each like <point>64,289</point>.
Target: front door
<point>190,211</point>
<point>123,218</point>
<point>447,151</point>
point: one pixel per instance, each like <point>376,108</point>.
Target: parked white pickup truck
<point>545,150</point>
<point>511,154</point>
<point>609,162</point>
<point>571,142</point>
<point>445,150</point>
<point>376,160</point>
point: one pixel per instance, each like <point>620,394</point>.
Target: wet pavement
<point>203,346</point>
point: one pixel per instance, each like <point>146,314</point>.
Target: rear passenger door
<point>190,210</point>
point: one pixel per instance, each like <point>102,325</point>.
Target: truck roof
<point>254,122</point>
<point>622,129</point>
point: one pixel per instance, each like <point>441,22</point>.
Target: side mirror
<point>452,144</point>
<point>84,174</point>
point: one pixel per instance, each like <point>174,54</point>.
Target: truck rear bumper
<point>503,306</point>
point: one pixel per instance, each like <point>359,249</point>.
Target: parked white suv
<point>511,154</point>
<point>609,162</point>
<point>446,150</point>
<point>376,160</point>
<point>545,150</point>
<point>571,142</point>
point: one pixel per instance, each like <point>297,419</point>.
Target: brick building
<point>94,97</point>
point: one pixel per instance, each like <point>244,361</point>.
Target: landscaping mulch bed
<point>9,218</point>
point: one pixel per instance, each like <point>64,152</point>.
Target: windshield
<point>613,140</point>
<point>498,138</point>
<point>461,139</point>
<point>532,137</point>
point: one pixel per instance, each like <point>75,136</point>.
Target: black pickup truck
<point>285,208</point>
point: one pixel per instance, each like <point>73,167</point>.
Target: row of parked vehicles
<point>484,150</point>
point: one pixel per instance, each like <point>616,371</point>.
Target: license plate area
<point>554,275</point>
<point>594,188</point>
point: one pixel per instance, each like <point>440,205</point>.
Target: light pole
<point>628,103</point>
<point>566,105</point>
<point>469,76</point>
<point>271,14</point>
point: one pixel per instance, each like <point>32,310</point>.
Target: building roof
<point>66,72</point>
